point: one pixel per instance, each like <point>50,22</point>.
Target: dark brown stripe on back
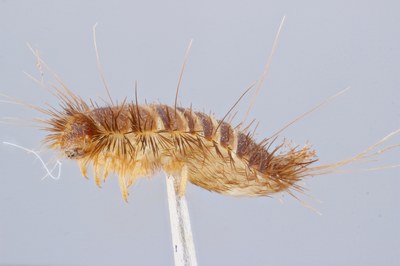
<point>257,155</point>
<point>226,132</point>
<point>245,145</point>
<point>188,114</point>
<point>146,119</point>
<point>206,122</point>
<point>165,116</point>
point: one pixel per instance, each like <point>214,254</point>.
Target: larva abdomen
<point>138,140</point>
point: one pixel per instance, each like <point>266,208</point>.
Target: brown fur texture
<point>138,140</point>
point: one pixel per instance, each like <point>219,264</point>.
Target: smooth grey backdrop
<point>324,47</point>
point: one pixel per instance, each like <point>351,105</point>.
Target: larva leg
<point>96,170</point>
<point>83,167</point>
<point>134,174</point>
<point>106,168</point>
<point>183,181</point>
<point>123,187</point>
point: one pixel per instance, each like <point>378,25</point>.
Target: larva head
<point>72,135</point>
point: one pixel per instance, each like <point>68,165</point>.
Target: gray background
<point>324,47</point>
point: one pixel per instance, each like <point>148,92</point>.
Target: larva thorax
<point>138,140</point>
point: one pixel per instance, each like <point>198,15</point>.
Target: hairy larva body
<point>134,140</point>
<point>139,140</point>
